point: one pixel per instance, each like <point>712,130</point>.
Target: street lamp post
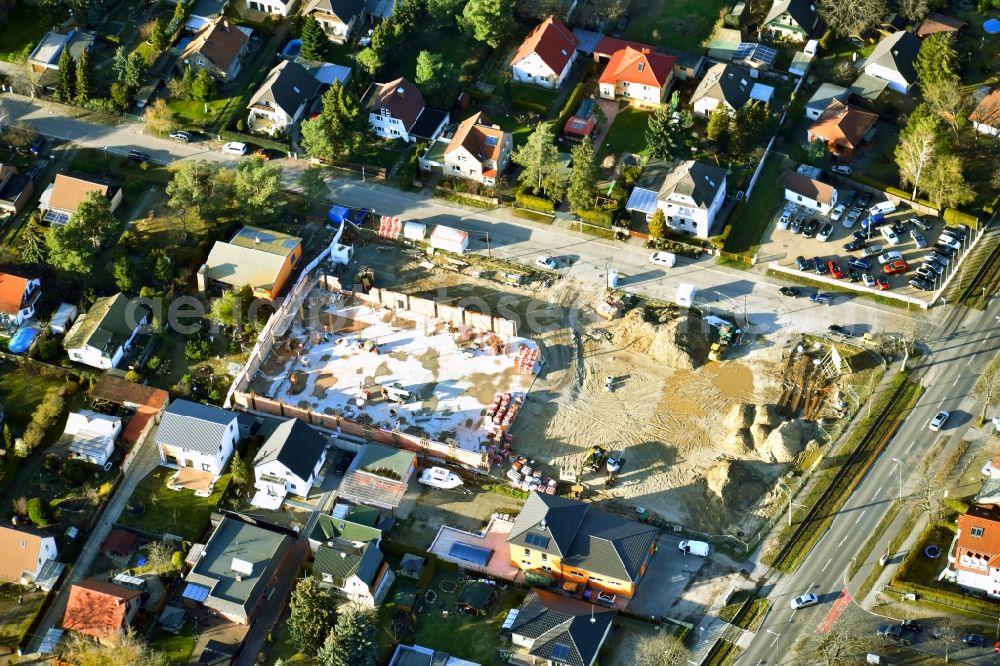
<point>899,469</point>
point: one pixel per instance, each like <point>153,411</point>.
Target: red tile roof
<point>120,541</point>
<point>939,23</point>
<point>840,121</point>
<point>642,67</point>
<point>400,98</point>
<point>986,546</point>
<point>220,42</point>
<point>97,608</point>
<point>552,41</point>
<point>11,292</point>
<point>988,110</point>
<point>609,46</point>
<point>473,133</point>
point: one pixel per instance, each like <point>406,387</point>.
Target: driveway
<point>668,574</point>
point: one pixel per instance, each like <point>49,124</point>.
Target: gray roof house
<point>727,84</point>
<point>46,53</point>
<point>792,19</point>
<point>892,61</point>
<point>356,571</point>
<point>198,439</point>
<point>329,528</point>
<point>101,337</point>
<point>289,462</point>
<point>282,98</point>
<point>826,93</point>
<point>418,655</point>
<point>379,476</point>
<point>554,628</point>
<point>237,566</point>
<point>690,194</point>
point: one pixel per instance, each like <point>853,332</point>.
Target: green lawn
<point>15,617</point>
<point>163,511</point>
<point>682,24</point>
<point>192,113</point>
<point>921,569</point>
<point>24,28</point>
<point>532,96</point>
<point>749,221</point>
<point>627,134</point>
<point>21,391</point>
<point>177,648</point>
<point>281,647</point>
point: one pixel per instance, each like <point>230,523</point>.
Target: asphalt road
<point>958,351</point>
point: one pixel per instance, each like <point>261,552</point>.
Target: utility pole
<point>489,252</point>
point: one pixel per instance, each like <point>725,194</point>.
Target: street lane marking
<point>877,492</point>
<point>910,446</point>
<point>826,565</point>
<point>860,516</point>
<point>843,540</point>
<point>957,381</point>
<point>839,606</point>
<point>776,637</point>
<point>971,359</point>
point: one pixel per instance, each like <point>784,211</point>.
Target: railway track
<point>984,282</point>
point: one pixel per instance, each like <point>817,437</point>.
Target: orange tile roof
<point>68,192</point>
<point>641,67</point>
<point>807,187</point>
<point>841,121</point>
<point>472,134</point>
<point>987,112</point>
<point>987,545</point>
<point>939,23</point>
<point>608,46</point>
<point>996,459</point>
<point>552,41</point>
<point>97,608</point>
<point>219,41</point>
<point>20,550</point>
<point>11,292</point>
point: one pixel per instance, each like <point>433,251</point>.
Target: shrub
<point>196,349</point>
<point>532,202</point>
<point>74,472</point>
<point>571,105</point>
<point>596,216</point>
<point>39,512</point>
<point>240,125</point>
<point>824,41</point>
<point>51,462</point>
<point>956,217</point>
<point>956,505</point>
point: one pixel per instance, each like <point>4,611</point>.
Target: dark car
<point>138,156</point>
<point>802,263</point>
<point>853,275</point>
<point>836,329</point>
<point>856,262</point>
<point>959,232</point>
<point>922,284</point>
<point>855,245</point>
<point>821,297</point>
<point>939,257</point>
<point>819,266</point>
<point>789,291</point>
<point>862,234</point>
<point>848,198</point>
<point>974,640</point>
<point>899,228</point>
<point>37,145</point>
<point>893,632</point>
<point>863,200</point>
<point>796,225</point>
<point>944,249</point>
<point>911,625</point>
<point>810,228</point>
<point>343,462</point>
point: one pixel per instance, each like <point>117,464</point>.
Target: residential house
<point>196,436</point>
<point>690,194</point>
<point>936,22</point>
<point>282,99</point>
<point>29,555</point>
<point>820,100</point>
<point>272,7</point>
<point>46,53</point>
<point>339,18</point>
<point>378,476</point>
<point>986,116</point>
<point>396,110</point>
<point>257,257</point>
<point>120,543</point>
<point>100,609</point>
<point>546,55</point>
<point>727,84</point>
<point>479,150</point>
<point>636,76</point>
<point>15,190</point>
<point>892,61</point>
<point>571,541</point>
<point>289,462</point>
<point>791,19</point>
<point>418,655</point>
<point>976,551</point>
<point>91,436</point>
<point>550,628</point>
<point>237,567</point>
<point>582,123</point>
<point>203,12</point>
<point>18,297</point>
<point>329,529</point>
<point>65,194</point>
<point>354,570</point>
<point>101,337</point>
<point>144,402</point>
<point>686,66</point>
<point>218,48</point>
<point>809,193</point>
<point>844,129</point>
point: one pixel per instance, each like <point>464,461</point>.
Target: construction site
<point>675,411</point>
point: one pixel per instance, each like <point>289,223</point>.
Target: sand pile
<point>751,431</point>
<point>735,483</point>
<point>785,442</point>
<point>677,344</point>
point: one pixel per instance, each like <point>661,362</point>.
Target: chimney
<point>542,524</point>
<point>645,51</point>
<point>201,278</point>
<point>343,555</point>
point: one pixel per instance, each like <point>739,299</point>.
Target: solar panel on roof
<point>470,553</point>
<point>560,652</point>
<point>765,54</point>
<point>533,539</point>
<point>195,592</point>
<point>55,217</point>
<point>491,141</point>
<point>744,50</point>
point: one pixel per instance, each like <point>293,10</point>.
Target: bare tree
<point>949,634</point>
<point>128,649</point>
<point>915,151</point>
<point>26,78</point>
<point>851,17</point>
<point>664,649</point>
<point>945,99</point>
<point>846,643</point>
<point>18,134</point>
<point>913,10</point>
<point>988,387</point>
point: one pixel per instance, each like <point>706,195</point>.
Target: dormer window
<point>642,66</point>
<point>976,532</point>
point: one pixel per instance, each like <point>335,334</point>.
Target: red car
<point>835,271</point>
<point>898,266</point>
<point>264,153</point>
<point>882,284</point>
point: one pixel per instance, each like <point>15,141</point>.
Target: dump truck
<point>366,278</point>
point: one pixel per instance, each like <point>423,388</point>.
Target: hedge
<point>596,216</point>
<point>888,189</point>
<point>263,141</point>
<point>532,202</point>
<point>948,598</point>
<point>571,105</point>
<point>956,217</point>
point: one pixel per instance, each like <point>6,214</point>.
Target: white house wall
<point>896,81</point>
<point>388,127</point>
<point>533,70</point>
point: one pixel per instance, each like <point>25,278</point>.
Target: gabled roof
<point>296,446</point>
<point>386,461</point>
<point>614,546</point>
<point>552,620</point>
<point>343,560</point>
<point>12,288</point>
<point>897,53</point>
<point>478,137</point>
<point>108,323</point>
<point>400,98</point>
<point>344,10</point>
<point>552,41</point>
<point>803,11</point>
<point>286,87</point>
<point>68,192</point>
<point>119,541</point>
<point>725,82</point>
<point>219,42</point>
<point>826,93</point>
<point>809,188</point>
<point>987,112</point>
<point>97,608</point>
<point>842,121</point>
<point>548,523</point>
<point>194,426</point>
<point>328,527</point>
<point>697,180</point>
<point>253,257</point>
<point>939,23</point>
<point>987,544</point>
<point>20,547</point>
<point>642,67</point>
<point>121,391</point>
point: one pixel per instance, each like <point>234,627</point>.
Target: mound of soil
<point>768,415</point>
<point>735,483</point>
<point>739,443</point>
<point>678,343</point>
<point>740,417</point>
<point>785,442</point>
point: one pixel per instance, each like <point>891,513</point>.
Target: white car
<point>842,169</point>
<point>235,148</point>
<point>891,255</point>
<point>667,259</point>
<point>867,280</point>
<point>938,421</point>
<point>804,601</point>
<point>783,221</point>
<point>837,212</point>
<point>988,468</point>
<point>545,261</point>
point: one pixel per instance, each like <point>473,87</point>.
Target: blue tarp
<point>338,214</point>
<point>293,48</point>
<point>467,553</point>
<point>22,340</point>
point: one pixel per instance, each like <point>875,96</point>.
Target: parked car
<point>819,266</point>
<point>848,197</point>
<point>796,225</point>
<point>867,280</point>
<point>852,217</point>
<point>946,250</point>
<point>911,625</point>
<point>802,263</point>
<point>235,148</point>
<point>918,239</point>
<point>871,250</point>
<point>921,283</point>
<point>853,275</point>
<point>898,266</point>
<point>804,601</point>
<point>882,284</point>
<point>899,228</point>
<point>837,329</point>
<point>789,291</point>
<point>919,223</point>
<point>667,259</point>
<point>974,640</point>
<point>842,169</point>
<point>949,241</point>
<point>959,231</point>
<point>939,257</point>
<point>863,200</point>
<point>855,245</point>
<point>821,297</point>
<point>834,269</point>
<point>37,145</point>
<point>838,212</point>
<point>343,462</point>
<point>810,228</point>
<point>925,273</point>
<point>863,264</point>
<point>890,235</point>
<point>889,257</point>
<point>783,221</point>
<point>824,232</point>
<point>938,421</point>
<point>893,632</point>
<point>545,261</point>
<point>138,156</point>
<point>180,135</point>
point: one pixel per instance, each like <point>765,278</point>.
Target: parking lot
<point>786,246</point>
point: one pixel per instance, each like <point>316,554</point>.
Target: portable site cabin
<point>64,316</point>
<point>685,294</point>
<point>447,238</point>
<point>414,231</point>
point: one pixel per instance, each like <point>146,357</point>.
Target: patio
<point>187,478</point>
<point>492,540</point>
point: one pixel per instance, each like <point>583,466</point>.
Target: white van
<point>667,259</point>
<point>889,235</point>
<point>699,548</point>
<point>884,207</point>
